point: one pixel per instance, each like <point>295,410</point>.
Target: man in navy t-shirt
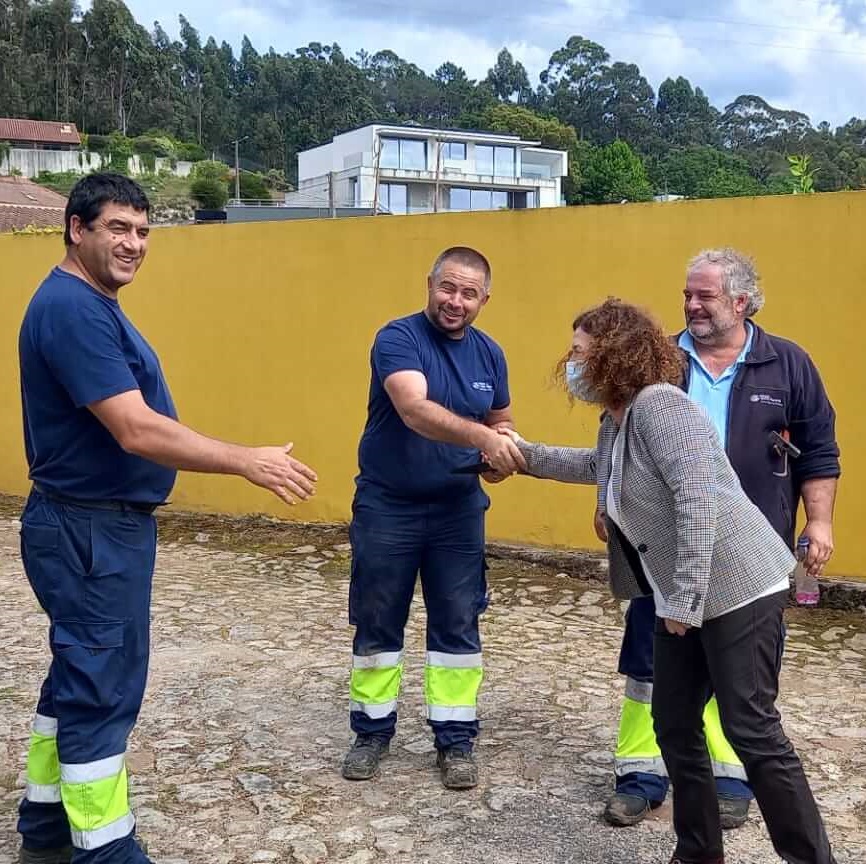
<point>439,391</point>
<point>103,446</point>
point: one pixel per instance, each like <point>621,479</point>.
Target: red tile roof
<point>24,203</point>
<point>19,190</point>
<point>13,216</point>
<point>41,131</point>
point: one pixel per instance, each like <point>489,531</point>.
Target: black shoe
<point>733,812</point>
<point>623,811</point>
<point>59,855</point>
<point>458,768</point>
<point>362,760</point>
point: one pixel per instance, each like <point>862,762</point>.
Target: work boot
<point>58,855</point>
<point>733,812</point>
<point>623,810</point>
<point>458,768</point>
<point>362,760</point>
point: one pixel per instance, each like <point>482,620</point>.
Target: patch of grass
<point>60,181</point>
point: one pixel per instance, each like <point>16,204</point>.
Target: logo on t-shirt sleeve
<point>482,385</point>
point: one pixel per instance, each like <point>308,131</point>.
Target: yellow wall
<point>264,329</point>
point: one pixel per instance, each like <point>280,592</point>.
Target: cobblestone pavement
<point>237,752</point>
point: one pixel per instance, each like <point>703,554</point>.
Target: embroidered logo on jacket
<point>766,399</point>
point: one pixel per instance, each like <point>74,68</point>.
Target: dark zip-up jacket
<point>778,389</point>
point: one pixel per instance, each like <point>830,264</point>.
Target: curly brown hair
<point>629,351</point>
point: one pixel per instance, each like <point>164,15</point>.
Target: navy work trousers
<point>390,547</point>
<point>91,571</point>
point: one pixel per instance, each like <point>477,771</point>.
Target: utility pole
<point>237,174</point>
<point>236,142</point>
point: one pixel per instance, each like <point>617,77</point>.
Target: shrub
<point>211,170</point>
<point>98,143</point>
<point>209,193</point>
<point>253,186</point>
<point>189,151</point>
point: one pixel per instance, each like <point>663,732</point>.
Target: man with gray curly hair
<point>752,384</point>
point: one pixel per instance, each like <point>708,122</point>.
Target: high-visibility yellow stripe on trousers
<point>95,797</point>
<point>636,748</point>
<point>451,684</point>
<point>375,683</point>
<point>43,764</point>
<point>725,761</point>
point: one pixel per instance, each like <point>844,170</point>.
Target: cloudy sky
<point>803,54</point>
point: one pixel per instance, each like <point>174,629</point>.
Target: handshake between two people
<point>503,455</point>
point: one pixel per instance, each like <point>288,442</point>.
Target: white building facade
<point>409,169</point>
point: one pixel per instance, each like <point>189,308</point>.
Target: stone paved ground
<point>236,756</point>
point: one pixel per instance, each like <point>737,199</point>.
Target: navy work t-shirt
<point>77,347</point>
<point>467,376</point>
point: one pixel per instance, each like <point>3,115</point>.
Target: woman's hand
<point>676,628</point>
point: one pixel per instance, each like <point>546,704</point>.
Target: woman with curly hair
<point>679,526</point>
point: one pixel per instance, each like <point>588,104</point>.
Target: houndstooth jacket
<point>706,544</point>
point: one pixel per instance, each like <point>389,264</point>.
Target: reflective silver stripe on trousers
<point>453,661</point>
<point>43,793</point>
<point>99,837</point>
<point>639,691</point>
<point>733,772</point>
<point>45,726</point>
<point>89,772</point>
<point>644,765</point>
<point>444,713</point>
<point>377,661</point>
<point>375,710</point>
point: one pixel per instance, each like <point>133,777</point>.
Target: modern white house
<point>410,169</point>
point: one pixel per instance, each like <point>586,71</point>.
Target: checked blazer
<point>682,509</point>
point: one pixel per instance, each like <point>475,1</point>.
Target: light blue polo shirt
<point>713,393</point>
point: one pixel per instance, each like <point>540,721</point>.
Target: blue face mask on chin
<point>577,384</point>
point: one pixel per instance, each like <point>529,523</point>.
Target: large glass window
<point>495,161</point>
<point>458,199</point>
<point>504,161</point>
<point>483,159</point>
<point>454,150</point>
<point>390,155</point>
<point>394,197</point>
<point>403,153</point>
<point>481,199</point>
<point>498,200</point>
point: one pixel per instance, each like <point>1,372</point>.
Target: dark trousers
<point>91,571</point>
<point>737,656</point>
<point>390,547</point>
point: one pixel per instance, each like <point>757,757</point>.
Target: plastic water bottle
<point>806,590</point>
